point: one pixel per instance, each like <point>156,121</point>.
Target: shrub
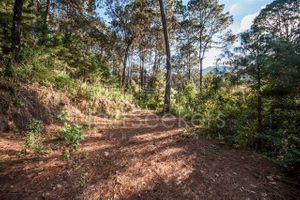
<point>35,126</point>
<point>71,134</point>
<point>34,67</point>
<point>152,99</point>
<point>33,140</point>
<point>61,81</point>
<point>185,103</point>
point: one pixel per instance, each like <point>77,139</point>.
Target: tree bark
<point>189,66</point>
<point>35,11</point>
<point>259,99</point>
<point>45,22</point>
<point>201,75</point>
<point>155,60</point>
<point>128,81</point>
<point>142,70</point>
<point>124,66</point>
<point>167,103</point>
<point>16,29</point>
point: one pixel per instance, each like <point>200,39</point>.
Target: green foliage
<point>186,101</point>
<point>33,67</point>
<point>152,99</point>
<point>17,98</point>
<point>72,135</point>
<point>35,126</point>
<point>66,155</point>
<point>47,66</point>
<point>190,133</point>
<point>230,115</point>
<point>149,100</point>
<point>63,116</point>
<point>33,140</point>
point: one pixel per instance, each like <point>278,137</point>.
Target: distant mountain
<point>214,69</point>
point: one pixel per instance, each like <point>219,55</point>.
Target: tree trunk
<point>201,76</point>
<point>45,22</point>
<point>35,11</point>
<point>124,66</point>
<point>16,29</point>
<point>154,64</point>
<point>201,55</point>
<point>259,100</point>
<point>167,103</point>
<point>128,72</point>
<point>189,66</point>
<point>142,70</point>
<point>153,77</point>
<point>259,112</point>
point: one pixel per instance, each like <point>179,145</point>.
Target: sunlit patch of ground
<point>128,159</point>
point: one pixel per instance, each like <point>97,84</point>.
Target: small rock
<point>29,175</point>
<point>264,194</point>
<point>270,178</point>
<point>58,186</point>
<point>106,153</point>
<point>11,186</point>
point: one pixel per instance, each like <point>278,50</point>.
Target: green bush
<point>61,81</point>
<point>33,140</point>
<point>185,103</point>
<point>72,134</point>
<point>34,66</point>
<point>152,99</point>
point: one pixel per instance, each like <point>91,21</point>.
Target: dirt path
<point>142,156</point>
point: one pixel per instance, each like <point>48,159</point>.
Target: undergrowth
<point>33,139</point>
<point>47,67</point>
<point>71,135</point>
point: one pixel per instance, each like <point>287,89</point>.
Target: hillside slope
<point>20,103</point>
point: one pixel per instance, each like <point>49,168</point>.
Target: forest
<point>114,99</point>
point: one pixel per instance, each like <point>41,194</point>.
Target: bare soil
<point>20,103</point>
<point>142,156</point>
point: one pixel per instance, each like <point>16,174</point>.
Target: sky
<point>243,12</point>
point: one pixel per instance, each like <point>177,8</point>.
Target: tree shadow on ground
<point>130,162</point>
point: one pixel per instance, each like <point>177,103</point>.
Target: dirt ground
<point>142,156</point>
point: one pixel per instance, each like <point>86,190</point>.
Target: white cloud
<point>210,57</point>
<point>241,6</point>
<point>233,9</point>
<point>247,21</point>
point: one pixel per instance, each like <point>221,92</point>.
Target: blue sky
<point>243,12</point>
